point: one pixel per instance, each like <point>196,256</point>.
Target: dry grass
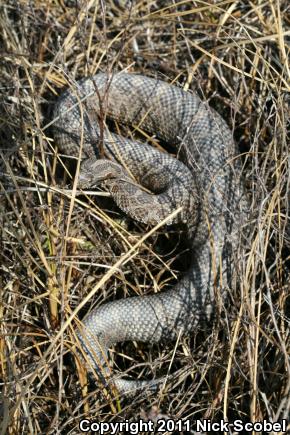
<point>59,249</point>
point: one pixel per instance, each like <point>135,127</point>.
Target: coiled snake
<point>206,185</point>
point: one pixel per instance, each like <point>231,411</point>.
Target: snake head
<point>94,172</point>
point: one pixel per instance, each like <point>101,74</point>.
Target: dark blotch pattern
<point>206,184</point>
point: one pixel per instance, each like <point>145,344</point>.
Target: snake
<point>201,180</point>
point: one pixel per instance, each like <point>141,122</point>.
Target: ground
<point>59,249</point>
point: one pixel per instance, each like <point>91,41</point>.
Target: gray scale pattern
<point>205,183</point>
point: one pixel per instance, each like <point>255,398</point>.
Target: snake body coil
<point>206,186</point>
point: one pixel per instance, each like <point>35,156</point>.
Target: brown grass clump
<point>59,249</point>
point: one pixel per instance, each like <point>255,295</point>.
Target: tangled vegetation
<point>59,248</point>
